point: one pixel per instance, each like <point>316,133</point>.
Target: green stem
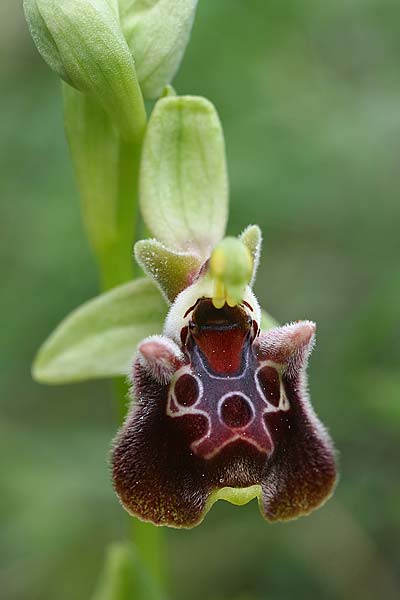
<point>115,259</point>
<point>107,172</point>
<point>149,540</point>
<point>116,268</point>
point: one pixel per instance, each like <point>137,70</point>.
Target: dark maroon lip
<point>222,415</point>
<point>205,317</point>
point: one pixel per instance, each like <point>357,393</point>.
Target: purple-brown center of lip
<point>236,411</point>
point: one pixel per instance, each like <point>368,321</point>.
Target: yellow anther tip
<point>218,302</point>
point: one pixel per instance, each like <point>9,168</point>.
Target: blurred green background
<point>309,96</point>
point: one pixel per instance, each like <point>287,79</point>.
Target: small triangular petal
<point>252,238</point>
<point>172,271</point>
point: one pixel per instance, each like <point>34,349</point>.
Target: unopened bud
<point>157,32</point>
<point>82,41</point>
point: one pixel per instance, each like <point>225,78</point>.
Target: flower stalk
<point>107,168</point>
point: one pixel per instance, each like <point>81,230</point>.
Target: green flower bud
<point>231,266</point>
<point>157,32</point>
<point>82,41</point>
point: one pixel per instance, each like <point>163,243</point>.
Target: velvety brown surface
<point>201,432</point>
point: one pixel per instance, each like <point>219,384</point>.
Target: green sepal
<point>157,33</point>
<point>125,577</point>
<point>99,338</point>
<point>183,181</point>
<point>252,238</point>
<point>83,42</point>
<point>172,271</point>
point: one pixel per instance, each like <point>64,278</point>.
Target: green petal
<point>125,577</point>
<point>183,185</point>
<point>157,32</point>
<point>252,238</point>
<point>172,271</point>
<point>99,338</point>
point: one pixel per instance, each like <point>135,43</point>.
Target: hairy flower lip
<point>222,411</point>
<point>178,452</point>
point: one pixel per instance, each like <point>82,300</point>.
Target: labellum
<point>221,410</point>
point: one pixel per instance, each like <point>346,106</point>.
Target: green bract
<point>83,42</point>
<point>183,183</point>
<point>157,32</point>
<point>99,339</point>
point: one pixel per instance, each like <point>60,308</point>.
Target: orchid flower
<point>220,407</point>
<point>219,401</point>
